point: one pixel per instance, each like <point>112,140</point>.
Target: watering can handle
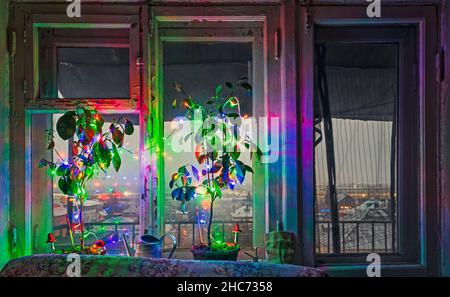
<point>174,247</point>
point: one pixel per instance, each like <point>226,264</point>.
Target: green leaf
<point>174,103</point>
<point>129,128</point>
<point>240,174</point>
<point>66,125</point>
<point>229,85</point>
<point>89,172</point>
<point>118,137</point>
<point>43,163</point>
<point>99,121</point>
<point>235,154</point>
<point>245,85</point>
<point>116,158</point>
<point>177,194</point>
<point>105,154</point>
<point>62,169</point>
<point>96,157</point>
<point>217,190</point>
<point>51,145</point>
<point>62,185</point>
<point>190,193</point>
<point>219,90</point>
<point>248,168</point>
<point>182,170</point>
<point>67,186</point>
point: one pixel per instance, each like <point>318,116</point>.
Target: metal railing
<point>59,229</point>
<point>222,225</point>
<point>353,234</point>
<point>194,225</point>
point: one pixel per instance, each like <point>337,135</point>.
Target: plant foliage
<point>217,146</point>
<point>94,148</point>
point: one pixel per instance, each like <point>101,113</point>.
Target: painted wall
<point>4,132</point>
<point>445,143</point>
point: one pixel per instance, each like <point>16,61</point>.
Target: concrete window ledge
<point>118,266</point>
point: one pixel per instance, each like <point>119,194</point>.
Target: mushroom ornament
<point>236,231</point>
<point>51,240</point>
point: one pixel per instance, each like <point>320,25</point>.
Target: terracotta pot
<point>203,254</point>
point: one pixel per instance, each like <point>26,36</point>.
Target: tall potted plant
<point>94,150</point>
<point>218,144</point>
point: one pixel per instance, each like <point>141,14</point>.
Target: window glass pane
<point>355,148</point>
<point>200,67</point>
<point>113,204</point>
<point>93,73</point>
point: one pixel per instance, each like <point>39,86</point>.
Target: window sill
<point>387,270</point>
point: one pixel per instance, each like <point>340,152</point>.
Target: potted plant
<point>94,150</point>
<point>218,142</point>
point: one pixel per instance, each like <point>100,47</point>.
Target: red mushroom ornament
<point>51,240</point>
<point>236,231</point>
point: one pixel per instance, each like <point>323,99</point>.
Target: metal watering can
<point>149,246</point>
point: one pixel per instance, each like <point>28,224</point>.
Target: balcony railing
<point>114,227</point>
<point>63,230</point>
<point>356,237</point>
<point>224,228</point>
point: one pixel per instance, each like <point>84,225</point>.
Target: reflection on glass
<point>93,73</point>
<point>355,159</point>
<point>113,204</point>
<point>200,67</point>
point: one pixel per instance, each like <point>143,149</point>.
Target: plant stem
<point>82,217</point>
<point>210,221</point>
<point>82,224</point>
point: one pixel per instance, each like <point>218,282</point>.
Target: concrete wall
<point>4,133</point>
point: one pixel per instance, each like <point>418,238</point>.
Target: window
<point>200,73</point>
<point>113,205</point>
<point>335,34</point>
<point>356,147</point>
<point>85,63</point>
<point>199,64</point>
<point>93,73</point>
<point>97,65</point>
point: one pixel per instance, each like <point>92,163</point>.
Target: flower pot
<point>207,254</point>
<point>280,247</point>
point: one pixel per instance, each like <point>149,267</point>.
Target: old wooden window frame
<point>224,24</point>
<point>424,19</point>
<point>44,21</point>
<point>29,213</point>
